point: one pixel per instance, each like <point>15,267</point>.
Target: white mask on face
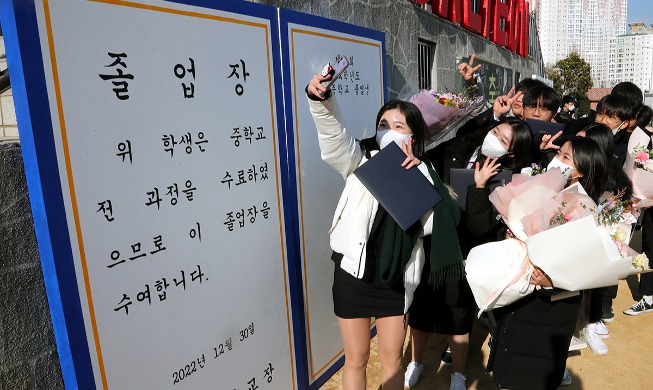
<point>564,168</point>
<point>384,137</point>
<point>571,108</point>
<point>492,146</point>
<point>616,130</point>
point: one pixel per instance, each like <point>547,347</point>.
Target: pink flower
<point>641,157</point>
<point>567,218</point>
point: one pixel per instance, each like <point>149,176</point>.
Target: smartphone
<point>335,70</point>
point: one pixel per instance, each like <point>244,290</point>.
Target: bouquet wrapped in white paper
<point>499,273</point>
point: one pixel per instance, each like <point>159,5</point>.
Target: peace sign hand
<point>503,104</point>
<point>411,160</point>
<point>467,70</point>
<point>547,141</point>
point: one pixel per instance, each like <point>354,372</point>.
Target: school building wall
<point>28,355</point>
<point>404,24</point>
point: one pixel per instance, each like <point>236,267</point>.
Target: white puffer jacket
<point>357,207</point>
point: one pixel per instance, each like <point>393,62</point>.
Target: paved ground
<point>625,366</point>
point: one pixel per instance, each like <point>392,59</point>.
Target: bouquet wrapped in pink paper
<point>639,167</point>
<point>524,195</point>
<point>566,206</point>
<point>443,111</point>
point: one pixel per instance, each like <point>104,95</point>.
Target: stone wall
<point>28,353</point>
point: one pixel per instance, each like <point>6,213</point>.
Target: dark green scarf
<point>445,257</point>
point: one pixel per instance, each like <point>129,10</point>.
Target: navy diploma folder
<point>548,127</point>
<point>460,179</point>
<point>406,194</point>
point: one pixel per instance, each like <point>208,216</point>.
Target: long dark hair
<point>414,120</point>
<point>590,162</point>
<point>617,179</point>
<point>644,116</point>
<point>521,146</point>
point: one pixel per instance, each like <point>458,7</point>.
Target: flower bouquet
<point>533,170</point>
<point>618,218</point>
<point>575,250</point>
<point>524,195</point>
<point>562,235</point>
<point>443,111</point>
<point>499,273</point>
<point>639,167</point>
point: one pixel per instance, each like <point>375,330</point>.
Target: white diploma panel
<point>360,94</point>
<point>166,137</point>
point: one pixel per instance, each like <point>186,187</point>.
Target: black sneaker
<point>639,308</point>
<point>608,314</point>
<point>446,357</point>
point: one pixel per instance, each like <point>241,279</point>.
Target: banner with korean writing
<point>152,148</point>
<point>309,43</point>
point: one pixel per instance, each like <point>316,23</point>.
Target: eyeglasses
<point>608,120</point>
<point>542,110</point>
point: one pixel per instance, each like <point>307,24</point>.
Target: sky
<point>640,11</point>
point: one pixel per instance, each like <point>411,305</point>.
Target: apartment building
<point>583,26</point>
<point>631,57</point>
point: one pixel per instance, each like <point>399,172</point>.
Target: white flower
<point>528,171</point>
<point>648,165</point>
<point>641,261</point>
<point>620,235</point>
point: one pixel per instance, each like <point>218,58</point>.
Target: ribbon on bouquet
<point>523,289</point>
<point>499,273</point>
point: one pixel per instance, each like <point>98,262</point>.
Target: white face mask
<point>384,137</point>
<point>571,108</point>
<point>564,168</point>
<point>616,130</point>
<point>492,146</point>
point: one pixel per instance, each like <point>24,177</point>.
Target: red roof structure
<point>595,94</point>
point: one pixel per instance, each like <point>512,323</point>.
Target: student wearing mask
<point>530,343</point>
<point>618,113</point>
<point>375,276</point>
<point>632,95</point>
<point>450,309</point>
<point>566,113</point>
<point>617,183</point>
